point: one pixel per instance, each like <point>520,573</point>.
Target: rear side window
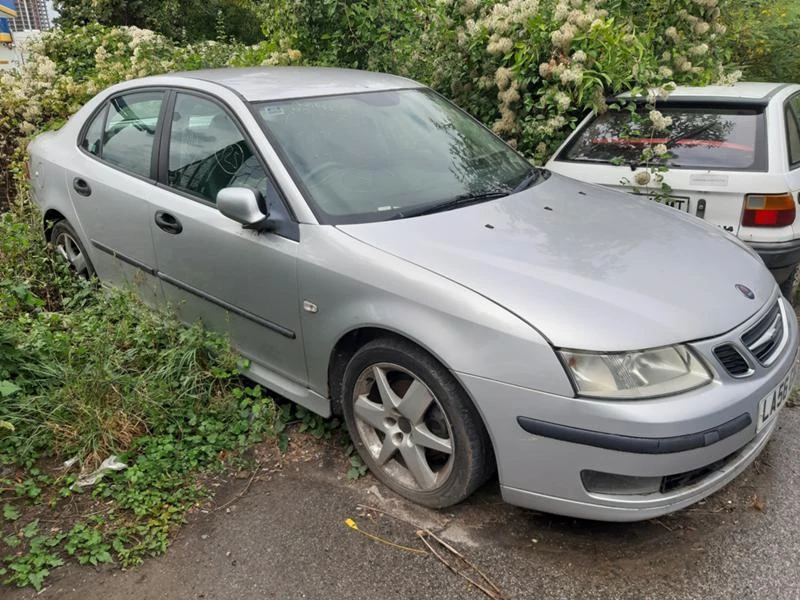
<point>208,152</point>
<point>130,131</point>
<point>792,115</point>
<point>699,138</point>
<point>92,140</point>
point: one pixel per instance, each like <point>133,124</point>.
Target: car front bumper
<point>692,444</point>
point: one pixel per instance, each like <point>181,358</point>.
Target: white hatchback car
<point>734,160</point>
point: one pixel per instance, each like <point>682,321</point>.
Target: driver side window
<point>207,151</point>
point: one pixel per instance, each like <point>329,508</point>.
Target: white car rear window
<point>698,138</point>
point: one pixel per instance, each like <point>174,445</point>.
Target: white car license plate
<point>679,202</point>
<point>770,404</point>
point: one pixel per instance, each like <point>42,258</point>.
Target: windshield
<point>699,138</point>
<point>372,156</point>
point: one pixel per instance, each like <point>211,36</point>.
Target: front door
<point>238,282</point>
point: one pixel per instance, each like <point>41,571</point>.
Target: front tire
<point>68,245</point>
<point>414,425</point>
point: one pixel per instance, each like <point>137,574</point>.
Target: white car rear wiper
<point>689,135</point>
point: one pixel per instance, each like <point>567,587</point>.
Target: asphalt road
<point>286,538</point>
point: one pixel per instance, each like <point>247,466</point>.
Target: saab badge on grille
<point>746,291</point>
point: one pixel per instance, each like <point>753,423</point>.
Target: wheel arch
<point>50,218</point>
<point>350,342</point>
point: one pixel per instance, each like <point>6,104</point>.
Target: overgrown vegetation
<point>88,373</point>
<point>763,40</point>
<point>181,20</point>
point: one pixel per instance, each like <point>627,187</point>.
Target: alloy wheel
<point>68,247</point>
<point>403,427</point>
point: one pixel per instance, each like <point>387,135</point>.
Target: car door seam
<point>280,329</point>
<point>124,258</point>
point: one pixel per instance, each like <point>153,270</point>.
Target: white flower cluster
<point>468,7</point>
<point>139,36</point>
<point>504,16</point>
<point>672,33</point>
<point>499,45</point>
<point>659,121</point>
<point>286,57</point>
<point>563,36</point>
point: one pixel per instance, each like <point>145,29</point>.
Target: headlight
<point>632,375</point>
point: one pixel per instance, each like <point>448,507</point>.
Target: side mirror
<point>241,205</point>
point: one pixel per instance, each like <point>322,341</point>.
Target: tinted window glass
<point>94,133</point>
<point>793,130</point>
<point>130,131</point>
<point>207,151</point>
<point>368,157</point>
<point>699,138</point>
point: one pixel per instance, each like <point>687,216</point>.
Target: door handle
<point>166,222</point>
<point>81,186</point>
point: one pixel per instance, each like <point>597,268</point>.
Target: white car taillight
<point>768,210</point>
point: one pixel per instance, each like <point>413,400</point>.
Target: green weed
<point>87,373</point>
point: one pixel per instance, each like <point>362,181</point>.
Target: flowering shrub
<point>527,68</point>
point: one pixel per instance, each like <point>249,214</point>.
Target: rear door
<point>110,184</point>
<point>717,154</point>
<point>239,282</point>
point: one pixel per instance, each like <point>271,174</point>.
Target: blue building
<point>8,10</point>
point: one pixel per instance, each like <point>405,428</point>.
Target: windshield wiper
<point>460,200</point>
<point>530,179</point>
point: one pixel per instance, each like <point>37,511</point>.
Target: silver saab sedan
<point>373,250</point>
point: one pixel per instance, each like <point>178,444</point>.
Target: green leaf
<point>31,529</point>
<point>10,513</point>
<point>7,389</point>
<point>283,442</point>
<point>36,578</point>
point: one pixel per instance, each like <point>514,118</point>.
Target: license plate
<point>770,404</point>
<point>679,202</point>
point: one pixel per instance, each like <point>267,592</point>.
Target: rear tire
<point>68,245</point>
<point>414,425</point>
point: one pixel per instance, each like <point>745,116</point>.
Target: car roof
<point>749,92</point>
<point>278,83</point>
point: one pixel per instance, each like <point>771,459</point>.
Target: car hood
<point>588,267</point>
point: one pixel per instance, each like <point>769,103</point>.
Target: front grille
<point>764,339</point>
<point>732,360</point>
